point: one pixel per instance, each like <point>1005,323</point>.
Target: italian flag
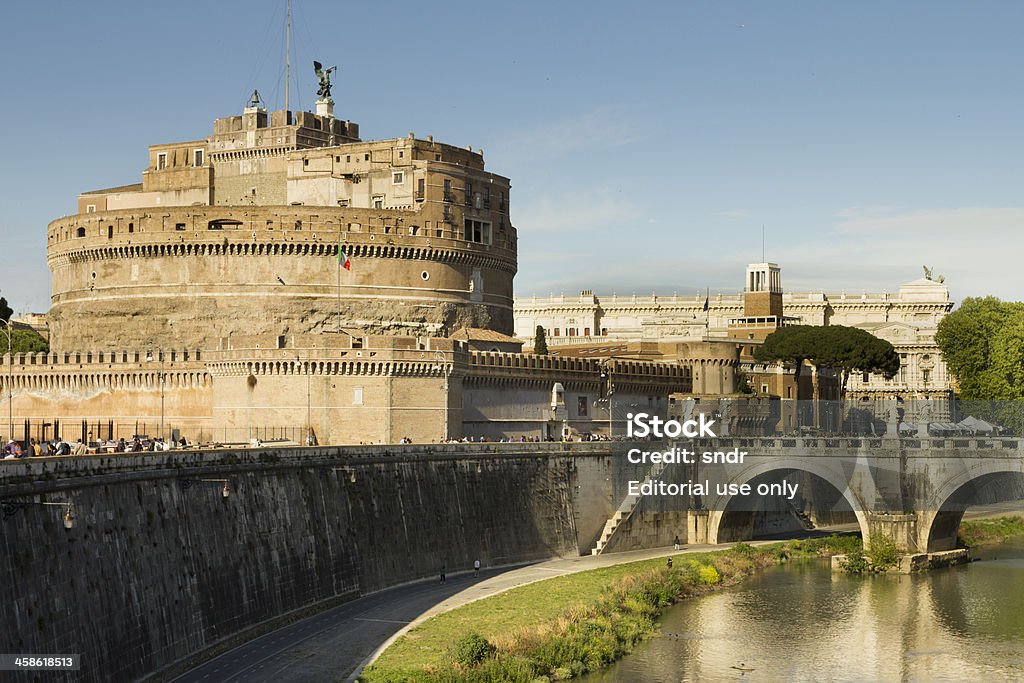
<point>343,259</point>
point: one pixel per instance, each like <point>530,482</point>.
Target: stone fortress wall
<point>342,388</point>
<point>160,567</point>
<point>189,276</point>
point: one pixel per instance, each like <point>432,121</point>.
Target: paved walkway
<point>335,645</point>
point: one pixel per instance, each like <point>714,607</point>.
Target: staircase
<point>624,511</point>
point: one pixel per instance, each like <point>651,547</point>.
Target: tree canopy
<point>982,343</point>
<point>846,349</point>
<point>5,311</point>
<point>28,341</point>
<point>540,341</point>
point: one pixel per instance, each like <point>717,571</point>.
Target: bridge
<point>914,491</point>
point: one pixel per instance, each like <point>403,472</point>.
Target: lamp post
<point>607,389</point>
<point>225,491</point>
<point>10,507</point>
<point>445,368</point>
<point>10,379</point>
<point>149,359</point>
<point>309,402</point>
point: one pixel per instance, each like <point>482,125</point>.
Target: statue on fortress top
<point>324,76</point>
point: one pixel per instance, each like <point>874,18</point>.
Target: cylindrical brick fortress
<point>192,276</point>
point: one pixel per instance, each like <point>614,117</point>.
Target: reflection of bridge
<point>913,490</point>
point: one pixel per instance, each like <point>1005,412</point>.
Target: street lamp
<point>446,369</point>
<point>224,492</point>
<point>9,508</point>
<point>149,359</point>
<point>10,378</point>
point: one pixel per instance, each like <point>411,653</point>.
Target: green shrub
<point>472,649</point>
<point>709,575</point>
<point>883,552</point>
<point>856,562</point>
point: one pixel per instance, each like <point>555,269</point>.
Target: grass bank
<point>987,531</point>
<point>566,626</point>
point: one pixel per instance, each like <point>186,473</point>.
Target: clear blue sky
<point>647,143</point>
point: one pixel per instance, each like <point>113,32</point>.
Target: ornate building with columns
<point>907,318</point>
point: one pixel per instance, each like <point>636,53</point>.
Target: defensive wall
<point>345,389</point>
<point>160,566</point>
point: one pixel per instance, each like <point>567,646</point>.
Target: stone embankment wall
<point>160,567</point>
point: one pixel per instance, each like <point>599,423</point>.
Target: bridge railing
<point>813,445</point>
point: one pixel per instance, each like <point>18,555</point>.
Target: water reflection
<point>803,623</point>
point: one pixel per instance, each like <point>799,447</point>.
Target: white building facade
<point>907,319</point>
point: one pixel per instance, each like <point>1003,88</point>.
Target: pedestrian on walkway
<point>675,543</point>
<point>476,568</point>
<point>442,573</point>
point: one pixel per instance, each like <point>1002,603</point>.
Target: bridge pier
<point>696,526</point>
<point>900,527</point>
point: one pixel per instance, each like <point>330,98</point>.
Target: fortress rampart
<point>303,529</point>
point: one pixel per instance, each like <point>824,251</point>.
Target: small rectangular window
<point>91,208</point>
<point>348,158</point>
<point>401,154</point>
<point>421,188</point>
<point>198,157</point>
<point>179,227</point>
<point>161,161</point>
<point>366,157</point>
<point>398,178</point>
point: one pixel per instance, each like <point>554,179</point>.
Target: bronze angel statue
<point>324,76</point>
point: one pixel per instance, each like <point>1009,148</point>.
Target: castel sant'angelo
<point>283,278</point>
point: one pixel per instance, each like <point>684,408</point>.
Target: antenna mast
<point>287,62</point>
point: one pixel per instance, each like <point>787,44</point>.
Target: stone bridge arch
<point>827,469</point>
<point>979,482</point>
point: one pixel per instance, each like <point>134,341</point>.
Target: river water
<point>801,622</point>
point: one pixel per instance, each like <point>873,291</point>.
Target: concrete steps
<point>623,512</point>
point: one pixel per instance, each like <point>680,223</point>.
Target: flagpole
<point>339,276</point>
<point>707,312</point>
